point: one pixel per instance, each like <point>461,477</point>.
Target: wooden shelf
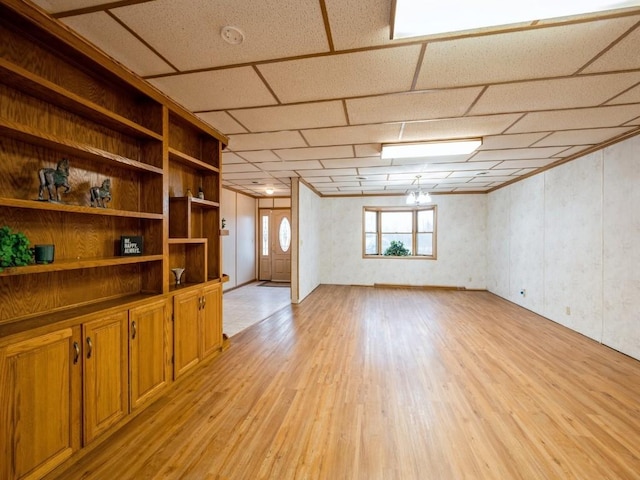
<point>196,202</point>
<point>36,137</point>
<point>62,207</point>
<point>76,264</point>
<point>186,241</point>
<point>190,161</point>
<point>42,88</point>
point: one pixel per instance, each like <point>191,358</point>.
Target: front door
<point>275,245</point>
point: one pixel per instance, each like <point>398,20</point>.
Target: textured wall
<point>461,244</point>
<point>310,251</point>
<point>239,247</point>
<point>573,237</point>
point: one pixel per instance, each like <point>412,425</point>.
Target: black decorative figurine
<point>101,195</point>
<point>54,178</point>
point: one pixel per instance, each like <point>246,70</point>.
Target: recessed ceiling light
<point>430,149</point>
<point>232,35</point>
<point>414,18</point>
<point>269,191</point>
<point>361,178</point>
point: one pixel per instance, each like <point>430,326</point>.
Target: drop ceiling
<point>317,86</point>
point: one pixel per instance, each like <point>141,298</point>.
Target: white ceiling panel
<point>116,41</point>
<point>284,174</point>
<point>223,122</point>
<point>299,165</point>
<point>622,56</point>
<point>230,157</point>
<point>261,141</point>
<point>412,106</point>
<point>531,163</point>
<point>216,90</point>
<point>518,140</point>
<point>581,137</point>
<point>319,153</point>
<point>451,128</point>
<point>368,150</point>
<point>355,162</point>
<point>348,135</point>
<point>270,31</point>
<point>259,156</point>
<point>576,119</point>
<point>372,72</point>
<point>288,117</point>
<point>520,55</point>
<point>442,159</point>
<point>517,154</point>
<point>240,167</point>
<point>56,6</point>
<point>356,24</point>
<point>631,96</point>
<point>554,94</point>
<point>329,172</point>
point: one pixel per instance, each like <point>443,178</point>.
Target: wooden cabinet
<point>39,403</point>
<point>106,373</point>
<point>86,340</point>
<point>148,352</point>
<point>197,326</point>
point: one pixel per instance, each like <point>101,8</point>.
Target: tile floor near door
<point>245,306</point>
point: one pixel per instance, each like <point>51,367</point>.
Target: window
<point>414,227</point>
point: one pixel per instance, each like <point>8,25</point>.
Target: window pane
<point>370,221</point>
<point>425,244</point>
<point>405,238</point>
<point>425,221</point>
<point>265,235</point>
<point>284,234</point>
<point>396,221</point>
<point>371,246</point>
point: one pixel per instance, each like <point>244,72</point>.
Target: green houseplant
<point>14,249</point>
<point>397,249</point>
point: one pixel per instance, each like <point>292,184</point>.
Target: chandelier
<point>418,196</point>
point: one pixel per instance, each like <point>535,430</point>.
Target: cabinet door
<point>105,355</point>
<point>148,346</point>
<point>211,319</point>
<point>39,404</point>
<point>186,330</point>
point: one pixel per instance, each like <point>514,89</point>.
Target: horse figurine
<point>101,195</point>
<point>54,178</point>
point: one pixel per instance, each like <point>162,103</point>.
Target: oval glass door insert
<point>284,234</point>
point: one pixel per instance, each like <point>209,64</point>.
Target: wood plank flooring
<point>371,383</point>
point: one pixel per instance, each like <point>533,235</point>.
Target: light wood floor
<point>367,383</point>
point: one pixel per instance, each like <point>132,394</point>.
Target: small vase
<point>177,272</point>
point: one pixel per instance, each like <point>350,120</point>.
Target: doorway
<point>275,244</point>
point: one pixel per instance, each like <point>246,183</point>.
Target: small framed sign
<point>131,245</point>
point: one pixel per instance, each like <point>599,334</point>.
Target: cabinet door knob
<point>90,347</point>
<point>134,330</point>
<point>76,355</point>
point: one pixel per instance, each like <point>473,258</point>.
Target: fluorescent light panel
<point>430,149</point>
<point>414,18</point>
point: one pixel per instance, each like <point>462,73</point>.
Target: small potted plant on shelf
<point>14,249</point>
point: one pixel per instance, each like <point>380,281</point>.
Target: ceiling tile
<point>368,150</point>
<point>632,96</point>
<point>553,94</point>
<point>222,122</point>
<point>516,154</point>
<point>582,137</point>
<point>56,6</point>
<point>261,141</point>
<point>283,174</point>
<point>248,177</point>
<point>522,55</point>
<point>372,72</point>
<point>318,153</point>
<point>420,160</point>
<point>300,165</point>
<point>216,90</point>
<point>576,119</point>
<point>349,135</point>
<point>190,37</point>
<point>259,156</point>
<point>229,158</point>
<point>411,106</point>
<point>336,172</point>
<point>239,167</point>
<point>466,127</point>
<point>355,162</point>
<point>115,40</point>
<point>353,26</point>
<point>531,163</point>
<point>518,140</point>
<point>292,117</point>
<point>622,56</point>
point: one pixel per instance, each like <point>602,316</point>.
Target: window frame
<point>414,231</point>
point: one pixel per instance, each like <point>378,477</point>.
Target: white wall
<point>461,244</point>
<point>239,247</point>
<point>570,237</point>
<point>310,249</point>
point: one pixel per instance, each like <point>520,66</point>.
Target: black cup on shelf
<point>44,253</point>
